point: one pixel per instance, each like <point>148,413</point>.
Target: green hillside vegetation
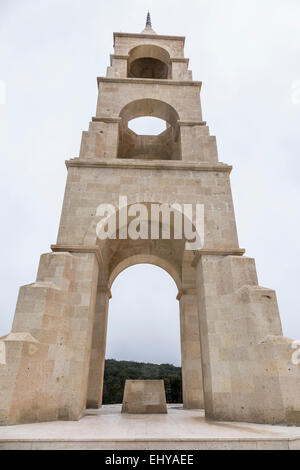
<point>116,373</point>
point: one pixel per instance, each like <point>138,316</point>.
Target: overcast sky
<point>247,53</point>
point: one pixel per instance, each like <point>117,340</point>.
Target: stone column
<point>97,361</point>
<point>190,350</point>
<point>48,351</point>
<point>243,354</point>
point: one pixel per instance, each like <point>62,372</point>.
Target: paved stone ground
<point>179,429</point>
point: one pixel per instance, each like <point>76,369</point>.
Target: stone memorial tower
<point>235,361</point>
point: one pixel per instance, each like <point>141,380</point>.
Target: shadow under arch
<point>149,61</point>
<point>165,218</point>
<point>149,107</point>
<point>163,146</point>
<point>145,259</point>
<point>169,255</point>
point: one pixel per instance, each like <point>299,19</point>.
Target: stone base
<point>144,396</point>
<point>109,429</point>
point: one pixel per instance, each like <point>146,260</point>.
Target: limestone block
<point>237,271</point>
<point>261,310</point>
<point>180,70</point>
<point>21,381</point>
<point>104,185</point>
<point>276,354</point>
<point>45,375</point>
<point>247,369</point>
<point>114,96</point>
<point>144,396</point>
<point>39,304</point>
<point>124,43</point>
<point>197,144</point>
<point>118,67</point>
<point>97,359</point>
<point>192,386</point>
<point>101,140</point>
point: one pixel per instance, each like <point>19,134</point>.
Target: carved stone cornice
<point>180,59</point>
<point>217,252</point>
<point>127,163</point>
<point>106,119</point>
<point>191,123</point>
<point>149,36</point>
<point>79,249</point>
<point>149,81</point>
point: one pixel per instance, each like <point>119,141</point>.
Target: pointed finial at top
<point>148,21</point>
<point>148,29</point>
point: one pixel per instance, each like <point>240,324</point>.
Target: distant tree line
<point>116,373</point>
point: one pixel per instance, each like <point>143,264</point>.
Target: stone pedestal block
<point>144,396</point>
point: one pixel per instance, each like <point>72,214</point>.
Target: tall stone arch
<point>236,362</point>
<point>170,255</point>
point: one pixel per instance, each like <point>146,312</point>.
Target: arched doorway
<point>143,332</point>
<point>161,146</point>
<point>169,253</point>
<point>149,61</point>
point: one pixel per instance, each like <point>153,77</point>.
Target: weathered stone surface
<point>144,396</point>
<point>235,361</point>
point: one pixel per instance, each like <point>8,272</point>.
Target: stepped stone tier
<point>236,363</point>
<point>144,397</point>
